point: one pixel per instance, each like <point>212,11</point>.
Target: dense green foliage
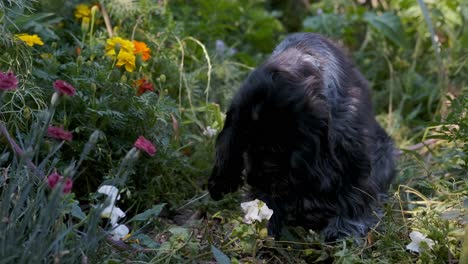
<point>412,52</point>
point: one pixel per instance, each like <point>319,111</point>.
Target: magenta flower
<point>68,185</point>
<point>53,179</point>
<point>59,133</point>
<point>8,81</point>
<point>145,145</point>
<point>64,88</point>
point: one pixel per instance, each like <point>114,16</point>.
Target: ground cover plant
<point>109,110</point>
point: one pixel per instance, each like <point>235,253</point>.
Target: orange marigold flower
<point>143,86</point>
<point>142,48</point>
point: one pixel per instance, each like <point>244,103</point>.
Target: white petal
<point>117,213</point>
<point>429,242</point>
<point>106,212</point>
<point>112,212</point>
<point>119,232</point>
<point>256,210</point>
<point>416,239</point>
<point>265,212</point>
<point>209,132</point>
<point>245,206</point>
<point>252,215</point>
<point>110,191</point>
<point>416,236</point>
<point>413,246</point>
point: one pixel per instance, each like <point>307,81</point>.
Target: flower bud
<point>79,60</point>
<point>27,112</point>
<point>94,10</point>
<point>138,61</point>
<point>94,137</point>
<point>85,24</point>
<point>55,98</point>
<point>162,78</point>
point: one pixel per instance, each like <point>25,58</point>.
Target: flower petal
<point>416,236</point>
<point>256,210</point>
<point>113,213</point>
<point>119,232</point>
<point>416,239</point>
<point>413,246</point>
<point>110,191</point>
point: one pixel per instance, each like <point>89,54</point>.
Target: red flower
<point>59,133</point>
<point>8,81</point>
<point>144,86</point>
<point>145,145</point>
<point>64,88</point>
<point>68,186</point>
<point>53,179</point>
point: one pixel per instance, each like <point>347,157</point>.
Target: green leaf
<point>146,241</point>
<point>148,214</point>
<point>77,212</point>
<point>220,257</point>
<point>180,233</point>
<point>387,24</point>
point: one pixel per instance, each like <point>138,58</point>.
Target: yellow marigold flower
<point>126,59</point>
<point>30,40</point>
<point>141,48</point>
<point>123,45</point>
<point>82,11</point>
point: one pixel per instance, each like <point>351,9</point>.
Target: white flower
<point>119,232</point>
<point>111,191</point>
<point>416,239</point>
<point>113,213</point>
<point>256,210</point>
<point>210,132</point>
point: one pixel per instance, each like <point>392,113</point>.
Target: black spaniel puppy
<point>302,133</point>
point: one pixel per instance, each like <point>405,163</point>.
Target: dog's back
<point>302,127</point>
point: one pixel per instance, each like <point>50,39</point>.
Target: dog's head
<point>280,109</point>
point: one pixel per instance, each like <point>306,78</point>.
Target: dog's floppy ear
<point>226,174</point>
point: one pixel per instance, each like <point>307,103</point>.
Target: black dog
<point>303,128</point>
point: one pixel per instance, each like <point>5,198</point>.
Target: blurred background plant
<point>173,86</point>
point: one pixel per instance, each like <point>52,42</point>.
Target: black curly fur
<point>303,128</point>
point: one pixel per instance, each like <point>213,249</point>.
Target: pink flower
<point>53,179</point>
<point>8,81</point>
<point>145,145</point>
<point>59,133</point>
<point>64,88</point>
<point>68,186</point>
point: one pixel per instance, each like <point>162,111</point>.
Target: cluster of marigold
<point>9,82</point>
<point>124,52</point>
